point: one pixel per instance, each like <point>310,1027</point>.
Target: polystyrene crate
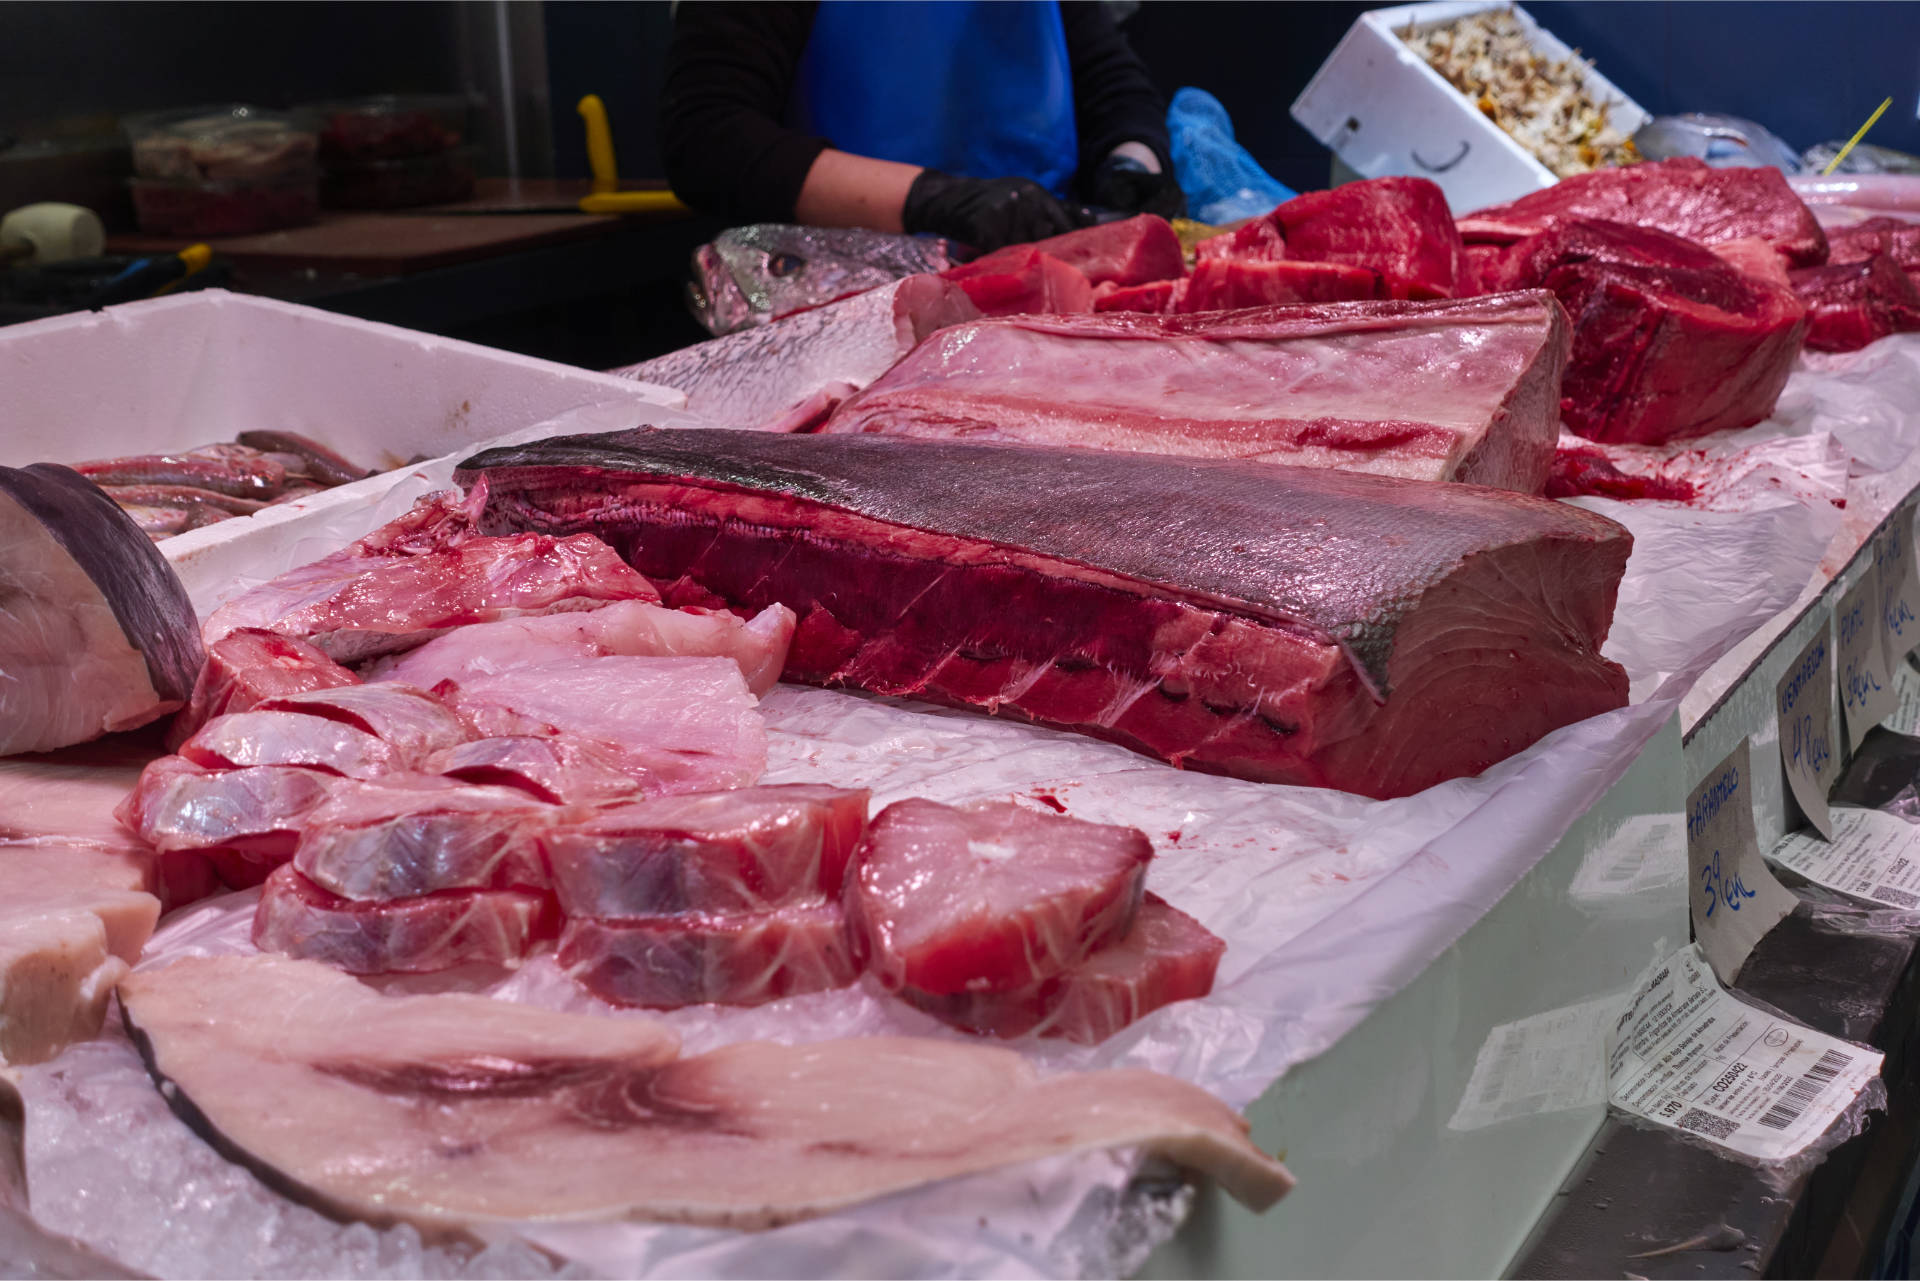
<point>1380,108</point>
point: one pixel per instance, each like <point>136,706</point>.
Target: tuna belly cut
<point>741,958</point>
<point>1428,391</point>
<point>453,1110</point>
<point>413,834</point>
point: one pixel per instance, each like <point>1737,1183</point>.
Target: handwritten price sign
<point>1894,561</point>
<point>1804,700</point>
<point>1866,682</point>
<point>1735,899</point>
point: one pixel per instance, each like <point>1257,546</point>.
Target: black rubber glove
<point>1123,184</point>
<point>987,213</point>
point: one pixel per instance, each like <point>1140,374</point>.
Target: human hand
<point>986,213</point>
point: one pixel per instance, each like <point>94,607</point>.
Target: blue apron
<point>981,88</point>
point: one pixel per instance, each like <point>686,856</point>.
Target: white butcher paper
<point>1873,856</point>
<point>1329,904</point>
<point>1689,1055</point>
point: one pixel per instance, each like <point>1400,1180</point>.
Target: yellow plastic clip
<point>194,258</point>
<point>606,175</point>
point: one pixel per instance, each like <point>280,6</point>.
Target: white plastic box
<point>173,373</point>
<point>1384,111</point>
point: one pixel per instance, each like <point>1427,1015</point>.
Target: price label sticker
<point>1866,684</point>
<point>1689,1055</point>
<point>1735,899</point>
<point>1873,855</point>
<point>1894,560</point>
<point>1804,700</point>
<point>1905,718</point>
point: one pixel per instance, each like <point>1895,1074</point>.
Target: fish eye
<point>784,264</point>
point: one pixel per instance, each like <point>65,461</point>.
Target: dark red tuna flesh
<point>747,850</point>
<point>1156,298</point>
<point>989,897</point>
<point>1898,240</point>
<point>1167,956</point>
<point>1281,624</point>
<point>1669,340</point>
<point>1132,251</point>
<point>247,667</point>
<point>404,936</point>
<point>1851,304</point>
<point>743,958</point>
<point>1227,284</point>
<point>1020,280</point>
<point>1683,197</point>
<point>1399,227</point>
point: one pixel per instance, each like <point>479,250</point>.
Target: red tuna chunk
<point>744,958</point>
<point>1850,304</point>
<point>1159,297</point>
<point>1132,251</point>
<point>1167,956</point>
<point>1683,197</point>
<point>247,666</point>
<point>1226,284</point>
<point>1669,341</point>
<point>1399,227</point>
<point>747,850</point>
<point>405,936</point>
<point>1898,240</point>
<point>989,897</point>
<point>1022,280</point>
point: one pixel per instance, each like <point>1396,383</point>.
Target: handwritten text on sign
<point>1804,699</point>
<point>1894,561</point>
<point>1866,685</point>
<point>1734,897</point>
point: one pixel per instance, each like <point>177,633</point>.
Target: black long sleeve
<point>1114,100</point>
<point>730,72</point>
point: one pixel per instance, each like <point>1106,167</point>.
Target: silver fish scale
<point>778,269</point>
<point>1343,553</point>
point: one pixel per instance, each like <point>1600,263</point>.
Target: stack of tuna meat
<point>1867,289</point>
<point>1073,272</point>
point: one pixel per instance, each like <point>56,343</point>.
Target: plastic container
<point>356,132</point>
<point>401,183</point>
<point>230,143</point>
<point>223,208</point>
<point>1384,111</point>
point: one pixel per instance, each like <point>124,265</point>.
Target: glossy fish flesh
<point>735,958</point>
<point>452,1110</point>
<point>420,935</point>
<point>247,666</point>
<point>1283,624</point>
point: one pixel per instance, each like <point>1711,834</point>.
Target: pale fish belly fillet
<point>1466,390</point>
<point>453,1110</point>
<point>1282,624</point>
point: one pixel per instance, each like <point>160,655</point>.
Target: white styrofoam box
<point>173,373</point>
<point>1384,111</point>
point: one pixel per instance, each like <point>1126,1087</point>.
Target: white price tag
<point>1905,717</point>
<point>1690,1055</point>
<point>1873,855</point>
<point>1866,686</point>
<point>1734,899</point>
<point>1894,559</point>
<point>1551,1062</point>
<point>1804,700</point>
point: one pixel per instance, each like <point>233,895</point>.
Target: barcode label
<point>1707,1123</point>
<point>1899,898</point>
<point>1804,1091</point>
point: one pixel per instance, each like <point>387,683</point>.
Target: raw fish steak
<point>746,850</point>
<point>1682,196</point>
<point>289,738</point>
<point>178,805</point>
<point>740,958</point>
<point>989,897</point>
<point>247,666</point>
<point>1669,340</point>
<point>413,834</point>
<point>558,769</point>
<point>1398,227</point>
<point>453,1110</point>
<point>1850,304</point>
<point>1167,956</point>
<point>404,936</point>
<point>675,724</point>
<point>422,574</point>
<point>1430,391</point>
<point>96,632</point>
<point>757,378</point>
<point>634,628</point>
<point>1282,624</point>
<point>411,721</point>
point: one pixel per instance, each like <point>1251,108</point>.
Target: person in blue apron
<point>991,122</point>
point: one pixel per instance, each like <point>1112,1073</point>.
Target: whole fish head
<point>750,275</point>
<point>716,302</point>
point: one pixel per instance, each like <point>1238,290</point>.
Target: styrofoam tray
<point>173,373</point>
<point>1384,111</point>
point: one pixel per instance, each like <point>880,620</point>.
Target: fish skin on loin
<point>755,377</point>
<point>411,834</point>
<point>1466,390</point>
<point>453,1111</point>
<point>417,935</point>
<point>98,634</point>
<point>1282,624</point>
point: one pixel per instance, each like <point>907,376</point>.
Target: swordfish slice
<point>1282,624</point>
<point>452,1110</point>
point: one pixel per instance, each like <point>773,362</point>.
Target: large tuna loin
<point>96,633</point>
<point>1430,391</point>
<point>1670,341</point>
<point>454,1110</point>
<point>1280,624</point>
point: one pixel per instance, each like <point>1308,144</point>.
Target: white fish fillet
<point>451,1110</point>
